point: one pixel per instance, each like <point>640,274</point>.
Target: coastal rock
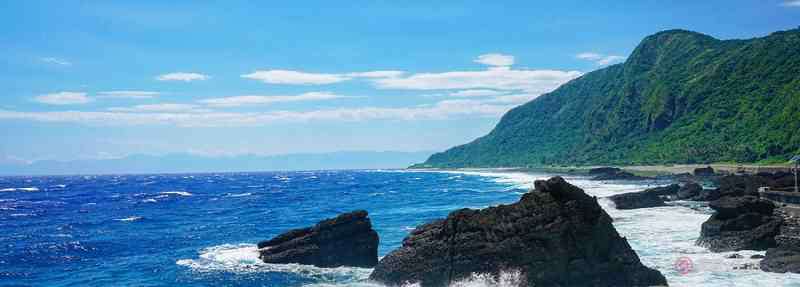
<point>738,223</point>
<point>555,235</point>
<point>704,171</point>
<point>739,185</point>
<point>604,170</point>
<point>346,240</point>
<point>619,175</point>
<point>786,256</point>
<point>689,191</point>
<point>652,197</point>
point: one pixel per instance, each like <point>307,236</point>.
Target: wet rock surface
<point>652,197</point>
<point>785,257</point>
<point>738,223</point>
<point>346,240</point>
<point>555,235</point>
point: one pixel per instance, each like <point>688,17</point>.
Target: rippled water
<point>200,229</point>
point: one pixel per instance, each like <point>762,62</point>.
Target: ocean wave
<point>129,219</point>
<point>150,200</point>
<point>181,193</point>
<point>26,189</point>
<point>243,258</point>
<point>240,194</point>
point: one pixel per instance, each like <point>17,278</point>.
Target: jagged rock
<point>346,240</point>
<point>555,235</point>
<point>786,256</point>
<point>704,171</point>
<point>738,223</point>
<point>739,185</point>
<point>689,191</point>
<point>757,256</point>
<point>621,175</point>
<point>781,260</point>
<point>652,197</point>
<point>604,170</point>
<point>734,256</point>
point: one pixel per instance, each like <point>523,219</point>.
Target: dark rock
<point>781,260</point>
<point>738,223</point>
<point>346,240</point>
<point>757,256</point>
<point>621,175</point>
<point>785,257</point>
<point>604,170</point>
<point>704,171</point>
<point>555,235</point>
<point>734,256</point>
<point>689,191</point>
<point>652,197</point>
<point>746,266</point>
<point>739,185</point>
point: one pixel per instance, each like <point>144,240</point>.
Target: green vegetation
<point>681,97</point>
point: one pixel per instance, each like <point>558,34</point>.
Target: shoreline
<point>651,170</point>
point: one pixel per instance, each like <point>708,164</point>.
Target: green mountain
<point>680,97</point>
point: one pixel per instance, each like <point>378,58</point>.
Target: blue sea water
<point>200,229</point>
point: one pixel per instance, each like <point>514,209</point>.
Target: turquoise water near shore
<point>200,229</point>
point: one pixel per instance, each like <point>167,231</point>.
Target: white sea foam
<point>662,235</point>
<point>240,194</point>
<point>181,193</point>
<point>150,200</point>
<point>243,258</point>
<point>129,219</point>
<point>26,189</point>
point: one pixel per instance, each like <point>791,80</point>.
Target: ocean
<point>201,229</point>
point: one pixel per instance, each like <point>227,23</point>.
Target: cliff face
<point>680,97</point>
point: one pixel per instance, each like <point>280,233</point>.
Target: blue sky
<point>105,79</point>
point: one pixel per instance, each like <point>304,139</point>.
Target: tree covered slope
<point>681,97</point>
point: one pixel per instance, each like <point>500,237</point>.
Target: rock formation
<point>346,240</point>
<point>786,256</point>
<point>704,171</point>
<point>689,191</point>
<point>744,222</point>
<point>555,235</point>
<point>652,197</point>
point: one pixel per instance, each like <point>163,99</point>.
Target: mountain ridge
<point>680,97</point>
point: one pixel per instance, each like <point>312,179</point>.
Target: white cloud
<point>182,76</point>
<point>56,61</point>
<point>477,93</point>
<point>128,94</point>
<point>791,3</point>
<point>294,77</point>
<point>165,107</point>
<point>376,74</point>
<point>441,110</point>
<point>63,98</point>
<point>495,59</point>
<point>531,81</point>
<point>303,78</point>
<point>264,100</point>
<point>599,59</point>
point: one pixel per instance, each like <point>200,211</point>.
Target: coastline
<point>650,170</point>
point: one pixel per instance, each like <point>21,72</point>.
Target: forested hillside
<point>680,97</point>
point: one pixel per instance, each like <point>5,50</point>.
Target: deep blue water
<point>192,229</point>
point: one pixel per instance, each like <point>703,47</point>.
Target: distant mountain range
<point>681,97</point>
<point>180,163</point>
